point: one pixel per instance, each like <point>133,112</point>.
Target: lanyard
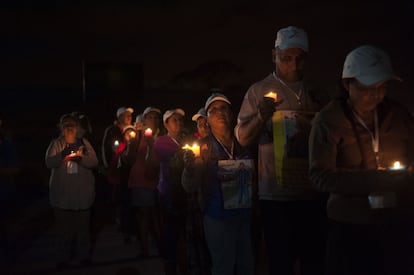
<point>375,135</point>
<point>175,141</point>
<point>230,154</point>
<point>297,95</point>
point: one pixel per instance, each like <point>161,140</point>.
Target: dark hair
<point>341,91</point>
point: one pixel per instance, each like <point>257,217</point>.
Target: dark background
<point>169,54</point>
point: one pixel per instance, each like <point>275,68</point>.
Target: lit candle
<point>148,133</point>
<point>132,134</point>
<point>397,166</point>
<point>116,143</point>
<point>195,149</point>
<point>271,95</point>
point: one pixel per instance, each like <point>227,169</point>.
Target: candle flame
<point>396,165</point>
<point>195,149</point>
<point>148,132</point>
<point>271,95</point>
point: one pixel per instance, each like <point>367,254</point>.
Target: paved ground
<point>31,249</point>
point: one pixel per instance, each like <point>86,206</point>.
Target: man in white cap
<point>355,143</point>
<point>292,214</point>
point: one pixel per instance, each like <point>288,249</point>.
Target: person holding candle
<point>114,132</point>
<point>171,196</point>
<point>227,230</point>
<point>292,215</point>
<point>113,144</point>
<point>72,189</point>
<point>143,179</point>
<point>354,143</point>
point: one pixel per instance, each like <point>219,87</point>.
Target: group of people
<point>333,180</point>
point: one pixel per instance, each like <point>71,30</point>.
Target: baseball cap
<point>138,118</point>
<point>68,117</point>
<point>128,128</point>
<point>292,37</point>
<point>122,110</point>
<point>169,113</point>
<point>369,65</point>
<point>216,97</point>
<point>150,109</point>
<point>201,112</point>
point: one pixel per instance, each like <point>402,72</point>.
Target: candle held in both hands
<point>397,166</point>
<point>195,149</point>
<point>148,133</point>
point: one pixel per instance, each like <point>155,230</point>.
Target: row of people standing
<point>348,172</point>
<point>353,143</point>
<point>127,153</point>
<point>337,164</point>
<point>147,180</point>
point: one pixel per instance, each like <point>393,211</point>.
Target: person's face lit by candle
<point>152,120</point>
<point>219,115</point>
<point>365,98</point>
<point>69,128</point>
<point>202,126</point>
<point>290,64</point>
<point>174,125</point>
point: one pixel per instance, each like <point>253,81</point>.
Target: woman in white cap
<point>361,149</point>
<point>172,197</point>
<point>216,178</point>
<point>143,178</point>
<point>72,190</point>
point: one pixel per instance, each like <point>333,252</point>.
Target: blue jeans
<point>230,244</point>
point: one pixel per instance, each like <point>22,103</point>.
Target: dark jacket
<point>348,169</point>
<point>111,134</point>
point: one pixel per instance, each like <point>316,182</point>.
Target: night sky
<point>169,53</point>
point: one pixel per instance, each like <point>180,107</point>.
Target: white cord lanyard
<point>229,154</point>
<point>297,95</point>
<point>374,136</point>
<point>175,141</point>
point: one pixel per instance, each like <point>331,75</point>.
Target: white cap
<point>169,113</point>
<point>216,97</point>
<point>128,127</point>
<point>122,110</point>
<point>292,37</point>
<point>201,112</point>
<point>151,109</point>
<point>138,118</point>
<point>369,65</point>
